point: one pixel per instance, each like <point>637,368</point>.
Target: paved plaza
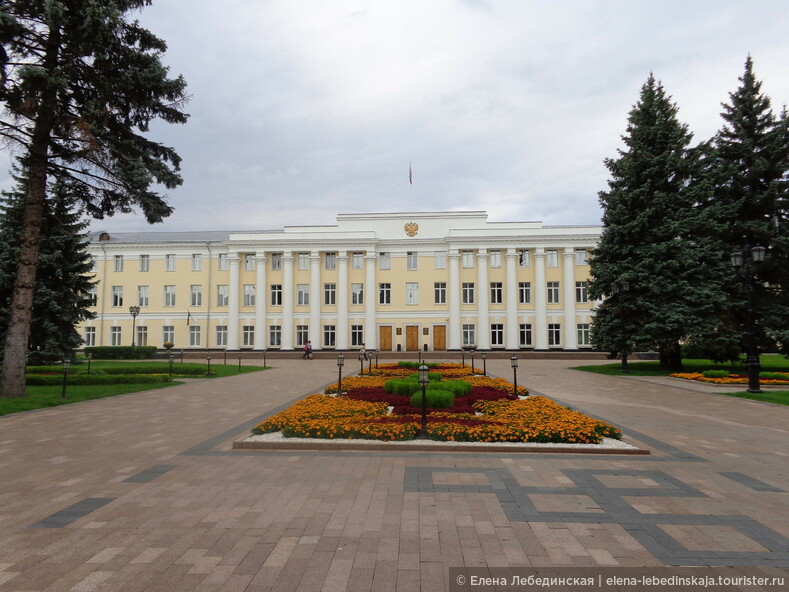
<point>142,492</point>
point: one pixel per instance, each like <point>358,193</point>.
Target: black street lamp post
<point>340,364</point>
<point>424,380</point>
<point>514,364</point>
<point>170,359</point>
<point>89,355</point>
<point>239,362</point>
<point>208,359</point>
<point>66,365</point>
<point>463,357</point>
<point>361,362</point>
<point>748,260</point>
<point>370,364</point>
<point>134,311</point>
<point>485,363</point>
<point>471,353</point>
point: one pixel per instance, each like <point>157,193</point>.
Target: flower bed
<point>535,419</point>
<point>730,379</point>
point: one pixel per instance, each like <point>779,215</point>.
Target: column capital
<point>568,252</point>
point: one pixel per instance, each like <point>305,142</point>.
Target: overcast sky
<point>301,110</point>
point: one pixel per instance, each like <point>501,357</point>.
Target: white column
<point>261,301</point>
<point>511,333</point>
<point>370,328</point>
<point>315,300</point>
<point>483,301</point>
<point>454,301</point>
<point>569,329</point>
<point>540,305</point>
<point>287,300</point>
<point>232,309</point>
<point>342,300</point>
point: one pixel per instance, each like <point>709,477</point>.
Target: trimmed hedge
<point>436,399</point>
<point>84,379</point>
<point>121,352</point>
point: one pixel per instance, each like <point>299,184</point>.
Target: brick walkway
<point>142,492</point>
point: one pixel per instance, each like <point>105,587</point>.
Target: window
<point>581,257</point>
<point>525,334</point>
<point>223,263</point>
<point>194,336</point>
<point>195,295</point>
<point>497,334</point>
<point>169,295</point>
<point>552,258</point>
<point>495,258</point>
<point>303,261</point>
<point>249,295</point>
<point>440,289</point>
<point>469,335</point>
<point>384,261</point>
<point>553,292</point>
<point>328,335</point>
<point>117,295</point>
<point>222,295</point>
<point>330,294</point>
<point>302,334</point>
<point>357,293</point>
<point>468,259</point>
<point>93,296</point>
<point>145,263</point>
<point>523,258</point>
<point>496,293</point>
<point>582,291</point>
<point>142,335</point>
<point>357,261</point>
<point>440,261</point>
<point>554,334</point>
<point>276,261</point>
<point>168,334</point>
<point>142,295</point>
<point>118,263</point>
<point>468,292</point>
<point>169,262</point>
<point>303,295</point>
<point>221,335</point>
<point>248,335</point>
<point>331,260</point>
<point>249,262</point>
<point>357,335</point>
<point>411,260</point>
<point>584,334</point>
<point>116,336</point>
<point>275,335</point>
<point>89,336</point>
<point>384,293</point>
<point>276,294</point>
<point>412,293</point>
<point>197,262</point>
<point>524,292</point>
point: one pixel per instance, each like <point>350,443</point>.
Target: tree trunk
<point>675,358</point>
<point>12,382</point>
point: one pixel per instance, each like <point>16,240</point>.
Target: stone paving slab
<point>184,511</point>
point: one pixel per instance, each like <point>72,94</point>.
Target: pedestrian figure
<point>364,352</point>
<point>307,350</point>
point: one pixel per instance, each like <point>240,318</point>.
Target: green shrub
<point>405,387</point>
<point>436,398</point>
<point>774,375</point>
<point>415,365</point>
<point>84,379</point>
<point>716,373</point>
<point>458,387</point>
<point>121,352</point>
<point>182,369</point>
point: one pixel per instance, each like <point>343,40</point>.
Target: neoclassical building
<point>399,281</point>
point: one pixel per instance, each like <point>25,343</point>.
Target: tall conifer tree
<point>80,84</point>
<point>652,224</point>
<point>62,294</point>
<point>751,203</point>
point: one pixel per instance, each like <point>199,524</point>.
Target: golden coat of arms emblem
<point>411,228</point>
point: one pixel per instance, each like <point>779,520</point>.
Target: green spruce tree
<point>751,204</point>
<point>80,84</point>
<point>62,294</point>
<point>660,276</point>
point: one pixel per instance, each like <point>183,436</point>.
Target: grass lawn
<point>770,363</point>
<point>777,397</point>
<point>39,397</point>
